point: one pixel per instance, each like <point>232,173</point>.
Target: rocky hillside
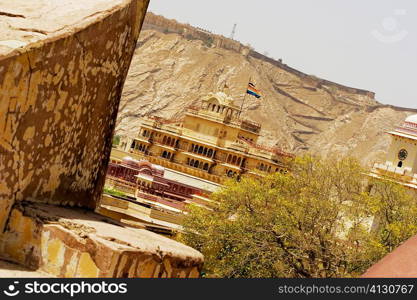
<point>175,65</point>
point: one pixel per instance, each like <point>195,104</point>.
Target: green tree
<point>395,218</point>
<point>312,222</point>
<point>116,140</point>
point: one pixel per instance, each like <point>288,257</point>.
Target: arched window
<point>210,153</point>
<point>239,160</point>
<point>200,150</point>
<point>234,160</point>
<point>213,107</point>
<point>205,151</point>
<point>164,140</point>
<point>229,158</point>
<point>196,164</point>
<point>169,141</point>
<point>400,164</point>
<point>218,108</point>
<point>206,167</point>
<point>192,163</point>
<point>164,154</point>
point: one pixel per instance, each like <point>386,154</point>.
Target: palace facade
<point>401,160</point>
<point>212,142</point>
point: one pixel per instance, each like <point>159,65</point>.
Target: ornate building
<point>211,142</point>
<point>401,161</point>
<point>153,197</point>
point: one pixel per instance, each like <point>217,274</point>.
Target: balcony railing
<point>403,174</point>
<point>250,126</point>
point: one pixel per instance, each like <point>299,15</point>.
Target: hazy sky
<point>368,44</point>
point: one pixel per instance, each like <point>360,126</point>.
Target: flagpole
<point>244,97</point>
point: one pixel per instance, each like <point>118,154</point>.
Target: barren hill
<point>177,64</point>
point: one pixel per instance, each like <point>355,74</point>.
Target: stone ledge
<point>66,242</point>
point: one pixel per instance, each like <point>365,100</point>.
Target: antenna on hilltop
<point>232,35</point>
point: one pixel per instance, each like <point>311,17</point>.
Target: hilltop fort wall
<point>165,25</point>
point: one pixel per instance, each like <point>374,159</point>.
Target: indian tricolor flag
<point>253,91</point>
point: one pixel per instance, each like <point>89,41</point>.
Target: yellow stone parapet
<point>65,242</point>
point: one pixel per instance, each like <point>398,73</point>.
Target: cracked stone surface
<point>62,68</point>
<point>23,22</point>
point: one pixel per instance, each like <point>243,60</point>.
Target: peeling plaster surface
<point>63,64</point>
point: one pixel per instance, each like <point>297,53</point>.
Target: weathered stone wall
<point>60,91</point>
<point>62,68</point>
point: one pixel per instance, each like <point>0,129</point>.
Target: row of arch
<point>168,141</point>
<point>146,133</point>
<point>235,160</point>
<point>220,109</point>
<point>167,155</point>
<point>198,164</point>
<point>202,150</point>
<point>264,168</point>
<point>144,185</point>
<point>180,189</point>
<point>139,147</point>
<point>158,190</point>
